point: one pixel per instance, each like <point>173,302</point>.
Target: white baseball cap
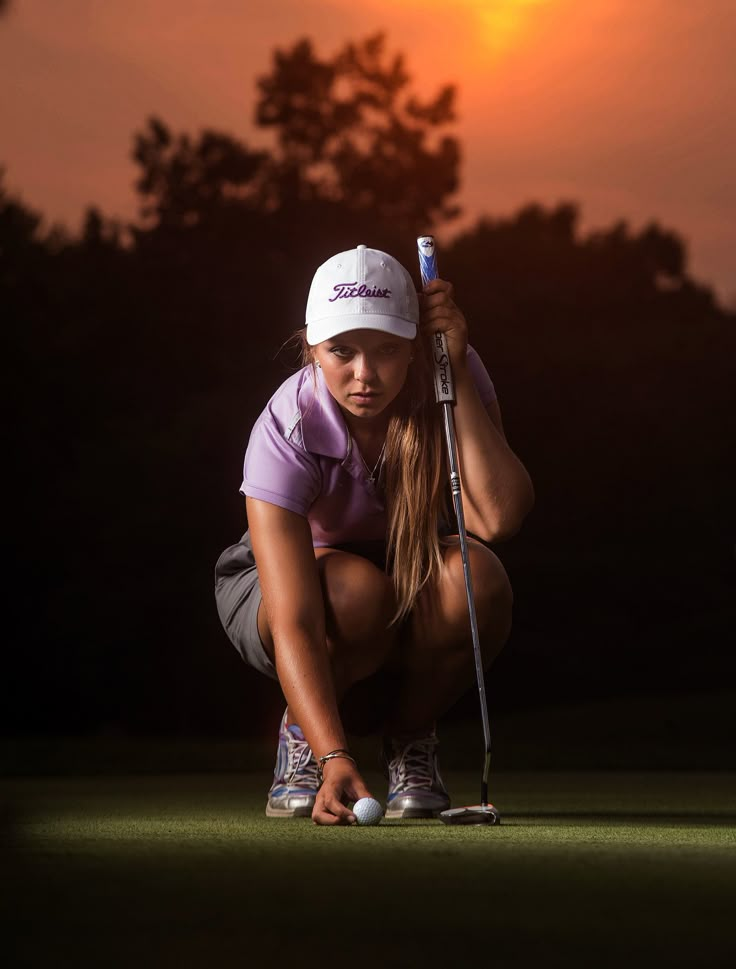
<point>361,289</point>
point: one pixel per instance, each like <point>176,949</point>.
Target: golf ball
<point>367,811</point>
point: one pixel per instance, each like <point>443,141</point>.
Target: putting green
<point>185,870</point>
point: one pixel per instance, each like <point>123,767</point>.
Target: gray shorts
<point>238,596</point>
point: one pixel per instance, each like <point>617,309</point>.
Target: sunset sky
<point>627,106</point>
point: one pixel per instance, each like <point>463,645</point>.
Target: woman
<point>350,566</point>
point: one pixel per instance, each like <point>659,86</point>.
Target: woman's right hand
<point>341,785</point>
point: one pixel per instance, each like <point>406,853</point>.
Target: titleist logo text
<point>351,290</point>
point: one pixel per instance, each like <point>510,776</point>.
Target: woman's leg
<point>436,652</point>
<point>359,604</point>
<point>437,666</point>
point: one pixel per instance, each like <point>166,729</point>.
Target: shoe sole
<point>413,813</point>
<point>302,812</point>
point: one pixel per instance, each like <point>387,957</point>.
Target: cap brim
<point>331,326</point>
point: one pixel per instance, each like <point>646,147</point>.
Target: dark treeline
<point>137,358</point>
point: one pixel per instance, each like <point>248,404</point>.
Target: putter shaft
<point>445,394</point>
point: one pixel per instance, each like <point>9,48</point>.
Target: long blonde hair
<point>415,480</point>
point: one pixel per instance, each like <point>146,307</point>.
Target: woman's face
<point>364,370</point>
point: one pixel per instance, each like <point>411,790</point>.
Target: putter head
<point>475,814</point>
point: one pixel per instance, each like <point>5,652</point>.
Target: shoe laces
<point>412,766</point>
<point>301,767</point>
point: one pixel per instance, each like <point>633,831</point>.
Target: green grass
<point>185,870</point>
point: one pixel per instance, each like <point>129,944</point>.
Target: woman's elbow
<point>508,520</point>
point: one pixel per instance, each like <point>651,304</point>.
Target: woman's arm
<point>292,598</point>
<point>496,488</point>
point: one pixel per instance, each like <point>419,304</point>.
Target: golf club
<point>483,813</point>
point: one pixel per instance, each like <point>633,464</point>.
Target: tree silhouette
<point>184,182</point>
<point>19,227</point>
<point>350,131</point>
<point>138,357</point>
<point>351,137</point>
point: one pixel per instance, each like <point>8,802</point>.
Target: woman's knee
<point>491,587</point>
<point>358,596</point>
<point>492,597</point>
<point>359,606</point>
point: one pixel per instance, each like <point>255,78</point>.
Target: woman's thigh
<point>358,599</point>
<point>358,596</point>
<point>440,617</point>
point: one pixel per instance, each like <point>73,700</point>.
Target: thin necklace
<point>378,466</point>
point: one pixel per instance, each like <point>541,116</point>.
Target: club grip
<point>444,387</point>
<point>427,259</point>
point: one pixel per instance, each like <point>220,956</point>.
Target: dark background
<point>138,356</point>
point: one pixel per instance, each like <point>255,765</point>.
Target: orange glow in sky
<point>627,106</point>
<point>491,26</point>
<point>504,21</point>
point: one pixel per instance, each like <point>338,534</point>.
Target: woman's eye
<point>342,352</point>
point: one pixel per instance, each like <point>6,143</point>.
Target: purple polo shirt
<point>301,457</point>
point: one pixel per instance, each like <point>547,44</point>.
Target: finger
<point>330,810</point>
<point>448,313</point>
<point>323,818</point>
<point>433,300</point>
<point>438,286</point>
<point>445,323</point>
<point>357,791</point>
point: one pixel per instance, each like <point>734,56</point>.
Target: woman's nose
<point>364,368</point>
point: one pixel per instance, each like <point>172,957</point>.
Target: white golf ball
<point>367,811</point>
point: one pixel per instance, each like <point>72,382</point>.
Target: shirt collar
<point>323,426</point>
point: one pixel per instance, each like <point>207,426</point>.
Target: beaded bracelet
<point>339,752</point>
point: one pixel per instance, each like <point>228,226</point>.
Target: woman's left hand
<point>440,312</point>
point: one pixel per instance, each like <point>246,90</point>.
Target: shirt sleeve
<point>279,470</point>
<point>481,378</point>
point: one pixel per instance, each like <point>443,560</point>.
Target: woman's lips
<point>364,397</point>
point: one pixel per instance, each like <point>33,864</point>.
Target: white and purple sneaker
<point>295,777</point>
<point>415,788</point>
